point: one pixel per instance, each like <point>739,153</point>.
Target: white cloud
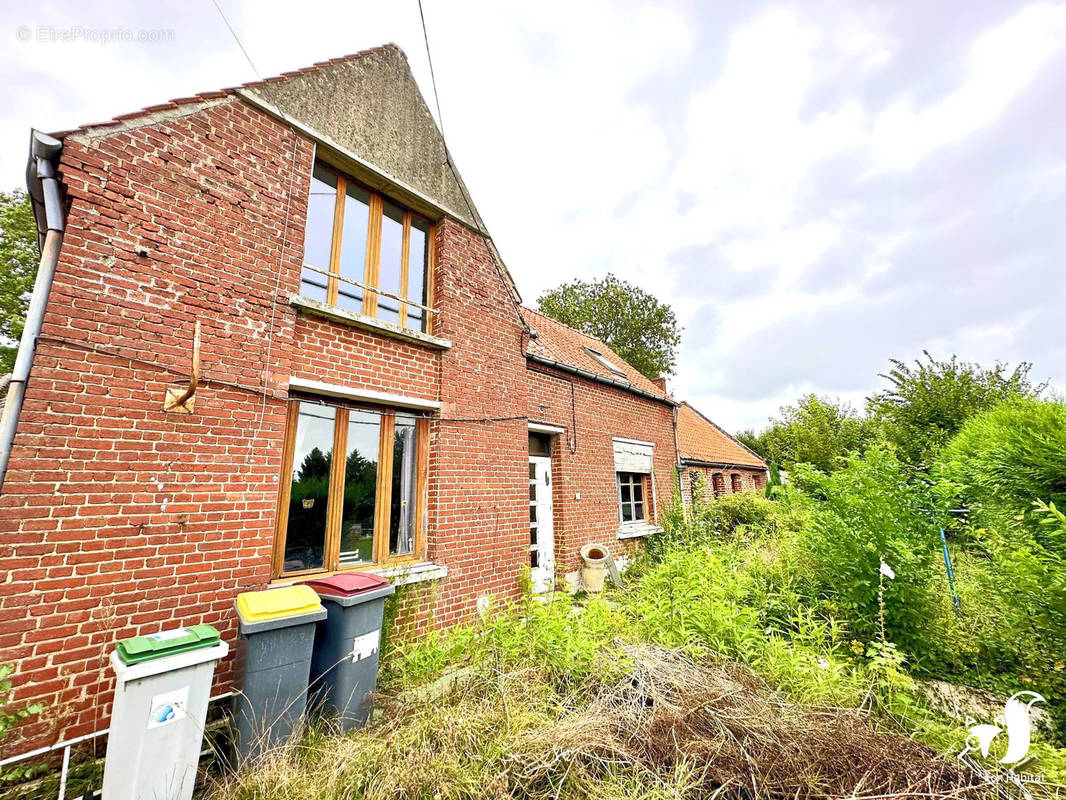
<point>1001,63</point>
<point>601,136</point>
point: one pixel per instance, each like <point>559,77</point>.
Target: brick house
<point>713,463</point>
<point>312,230</point>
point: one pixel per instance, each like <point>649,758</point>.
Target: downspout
<point>43,186</point>
<point>678,469</point>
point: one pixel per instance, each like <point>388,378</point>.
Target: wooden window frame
<point>372,258</point>
<point>335,501</point>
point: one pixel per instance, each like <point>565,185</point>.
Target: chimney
<point>661,383</point>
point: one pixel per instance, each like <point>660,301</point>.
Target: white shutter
<point>633,456</point>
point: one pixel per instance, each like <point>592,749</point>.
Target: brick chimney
<point>661,383</point>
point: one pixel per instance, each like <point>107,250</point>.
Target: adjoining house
<point>279,343</point>
<point>713,463</point>
<point>604,431</point>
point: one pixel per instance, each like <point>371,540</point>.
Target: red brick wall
<point>602,413</point>
<point>117,519</point>
<point>477,469</point>
<point>750,479</point>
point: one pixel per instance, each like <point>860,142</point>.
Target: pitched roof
<point>699,439</point>
<point>358,102</point>
<point>201,97</point>
<point>563,345</point>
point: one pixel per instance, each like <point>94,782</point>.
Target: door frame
<point>543,575</point>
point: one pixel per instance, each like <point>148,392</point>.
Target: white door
<point>541,531</point>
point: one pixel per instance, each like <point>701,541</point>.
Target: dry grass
<point>670,729</point>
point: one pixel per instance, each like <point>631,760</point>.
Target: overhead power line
<point>237,39</point>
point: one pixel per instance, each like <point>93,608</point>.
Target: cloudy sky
<point>815,186</point>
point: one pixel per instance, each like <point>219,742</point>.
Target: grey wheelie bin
<point>277,631</point>
<point>162,686</point>
<point>344,668</point>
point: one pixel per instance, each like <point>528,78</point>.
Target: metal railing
<point>367,288</point>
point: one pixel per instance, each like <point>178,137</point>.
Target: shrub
<point>867,512</point>
<point>743,513</point>
<point>1008,458</point>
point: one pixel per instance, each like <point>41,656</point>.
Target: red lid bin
<point>347,584</point>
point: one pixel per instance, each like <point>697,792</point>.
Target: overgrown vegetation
<point>755,650</point>
<point>767,645</point>
<point>12,714</point>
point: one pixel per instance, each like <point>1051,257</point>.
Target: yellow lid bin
<point>277,637</point>
<point>274,604</point>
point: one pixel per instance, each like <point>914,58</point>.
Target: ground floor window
<point>365,508</point>
<point>718,484</point>
<point>734,479</point>
<point>631,497</point>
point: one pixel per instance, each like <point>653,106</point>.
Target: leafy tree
<point>18,269</point>
<point>637,326</point>
<point>928,402</point>
<point>817,430</point>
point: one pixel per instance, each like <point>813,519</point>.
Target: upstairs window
<point>365,508</point>
<point>364,253</point>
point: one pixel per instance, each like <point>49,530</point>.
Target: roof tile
<point>699,439</point>
<point>559,342</point>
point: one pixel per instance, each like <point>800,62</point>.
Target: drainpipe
<point>678,468</point>
<point>43,187</point>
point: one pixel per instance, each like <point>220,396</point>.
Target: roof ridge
<point>722,431</point>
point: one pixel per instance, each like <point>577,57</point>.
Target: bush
<point>1008,458</point>
<point>867,512</point>
<point>743,513</point>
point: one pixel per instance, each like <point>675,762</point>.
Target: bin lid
<point>271,604</point>
<point>166,643</point>
<point>347,584</point>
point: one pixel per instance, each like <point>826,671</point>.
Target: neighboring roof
<point>571,350</point>
<point>699,439</point>
<point>367,104</point>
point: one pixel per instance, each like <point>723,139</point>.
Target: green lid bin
<point>166,643</point>
<point>162,688</point>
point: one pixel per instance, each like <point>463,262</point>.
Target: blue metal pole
<point>951,572</point>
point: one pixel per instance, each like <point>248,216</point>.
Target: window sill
<point>637,531</point>
<point>403,574</point>
<point>357,320</point>
<point>398,575</point>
